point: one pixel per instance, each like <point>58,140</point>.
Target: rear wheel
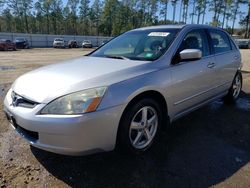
<point>139,126</point>
<point>235,89</point>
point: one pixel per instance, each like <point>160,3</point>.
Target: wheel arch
<point>152,94</point>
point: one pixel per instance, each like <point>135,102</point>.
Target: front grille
<point>20,101</point>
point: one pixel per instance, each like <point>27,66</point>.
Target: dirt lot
<point>209,147</point>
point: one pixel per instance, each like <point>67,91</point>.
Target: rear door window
<point>219,41</point>
<point>234,47</point>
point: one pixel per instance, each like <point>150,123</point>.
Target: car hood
<point>243,40</point>
<point>49,82</point>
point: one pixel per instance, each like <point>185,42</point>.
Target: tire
<point>235,89</point>
<point>135,135</point>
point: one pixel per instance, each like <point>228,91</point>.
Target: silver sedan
<point>124,92</point>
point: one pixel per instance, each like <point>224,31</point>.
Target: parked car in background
<point>122,94</point>
<point>21,42</point>
<point>73,44</point>
<point>87,44</point>
<point>6,44</point>
<point>243,43</point>
<point>59,43</point>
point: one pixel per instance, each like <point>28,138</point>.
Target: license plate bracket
<point>11,119</point>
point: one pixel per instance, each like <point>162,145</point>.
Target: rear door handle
<point>211,65</point>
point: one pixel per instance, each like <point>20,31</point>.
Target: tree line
<point>112,17</point>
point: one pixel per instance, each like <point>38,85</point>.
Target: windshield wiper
<point>117,57</point>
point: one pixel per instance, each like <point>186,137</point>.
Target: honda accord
<point>123,93</point>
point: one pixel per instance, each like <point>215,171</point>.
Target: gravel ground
<point>209,147</point>
<point>246,59</point>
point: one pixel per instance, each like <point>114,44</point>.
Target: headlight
<point>76,103</point>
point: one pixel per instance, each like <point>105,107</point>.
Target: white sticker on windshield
<point>158,34</point>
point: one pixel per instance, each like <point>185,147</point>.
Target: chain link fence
<point>43,40</point>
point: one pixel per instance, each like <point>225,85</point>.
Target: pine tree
<point>84,16</point>
<point>95,16</point>
<point>174,3</point>
<point>164,9</point>
<point>72,16</point>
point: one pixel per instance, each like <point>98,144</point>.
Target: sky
<point>208,17</point>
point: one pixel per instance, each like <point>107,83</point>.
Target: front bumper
<point>66,134</point>
<point>21,45</point>
<point>58,45</point>
<point>245,46</point>
<point>87,45</point>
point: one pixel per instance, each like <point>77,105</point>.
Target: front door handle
<point>211,65</point>
<point>236,57</point>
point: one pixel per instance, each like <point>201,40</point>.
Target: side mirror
<point>190,54</point>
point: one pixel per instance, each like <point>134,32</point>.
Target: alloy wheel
<point>236,86</point>
<point>143,127</point>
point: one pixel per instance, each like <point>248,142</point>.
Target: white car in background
<point>58,43</point>
<point>243,43</point>
<point>87,44</point>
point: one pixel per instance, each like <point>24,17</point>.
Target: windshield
<point>20,39</point>
<point>59,40</point>
<point>144,45</point>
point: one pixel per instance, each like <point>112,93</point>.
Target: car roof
<point>243,39</point>
<point>161,27</point>
<point>178,26</point>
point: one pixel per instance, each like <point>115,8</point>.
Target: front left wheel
<point>139,126</point>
